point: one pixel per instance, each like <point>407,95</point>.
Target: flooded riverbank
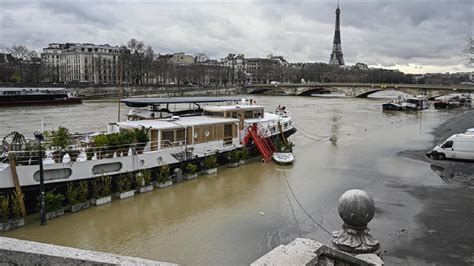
<point>239,214</point>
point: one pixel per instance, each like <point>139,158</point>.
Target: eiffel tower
<point>336,55</point>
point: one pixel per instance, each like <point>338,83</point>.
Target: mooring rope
<point>309,133</point>
<point>302,208</point>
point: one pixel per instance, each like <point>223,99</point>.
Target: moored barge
<point>36,96</point>
<point>200,132</point>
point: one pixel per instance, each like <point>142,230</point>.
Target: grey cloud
<point>375,32</point>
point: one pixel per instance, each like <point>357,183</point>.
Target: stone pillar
<point>356,209</point>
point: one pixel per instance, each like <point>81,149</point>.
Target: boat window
<point>180,135</point>
<point>53,174</point>
<point>447,144</point>
<point>221,114</point>
<point>167,136</point>
<point>106,168</point>
<point>227,131</point>
<point>234,114</point>
<point>248,114</point>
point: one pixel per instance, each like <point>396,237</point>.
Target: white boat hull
<point>283,157</point>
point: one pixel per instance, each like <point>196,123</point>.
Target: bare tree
<point>21,52</point>
<point>138,61</point>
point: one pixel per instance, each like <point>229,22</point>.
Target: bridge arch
<point>311,91</point>
<point>367,93</point>
<point>259,90</point>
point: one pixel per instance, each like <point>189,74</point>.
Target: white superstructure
<point>175,139</point>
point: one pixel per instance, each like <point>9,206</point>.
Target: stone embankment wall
<point>22,252</point>
<point>94,92</point>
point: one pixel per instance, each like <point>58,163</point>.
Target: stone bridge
<point>360,90</point>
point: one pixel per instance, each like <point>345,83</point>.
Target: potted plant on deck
<point>210,164</point>
<point>124,186</point>
<point>234,158</point>
<point>101,189</point>
<point>77,196</point>
<point>142,136</point>
<point>143,181</point>
<point>190,171</point>
<point>101,142</point>
<point>60,140</point>
<point>10,214</point>
<point>164,179</point>
<point>125,139</point>
<point>244,155</point>
<point>53,203</point>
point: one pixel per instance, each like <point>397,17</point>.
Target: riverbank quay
<point>239,214</point>
<point>22,252</point>
<point>445,235</point>
<point>95,92</point>
<point>108,92</point>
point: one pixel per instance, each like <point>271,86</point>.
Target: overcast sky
<point>414,36</point>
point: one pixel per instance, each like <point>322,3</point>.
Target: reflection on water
<point>335,124</point>
<point>217,219</point>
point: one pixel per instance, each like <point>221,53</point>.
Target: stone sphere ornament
<point>356,208</point>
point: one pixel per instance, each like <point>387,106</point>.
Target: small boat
<point>419,102</point>
<point>397,104</point>
<point>392,106</point>
<point>283,158</point>
<point>452,101</point>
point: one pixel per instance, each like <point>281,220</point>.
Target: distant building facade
<point>84,62</point>
<point>6,58</point>
<point>254,70</point>
<point>182,59</point>
<point>201,58</point>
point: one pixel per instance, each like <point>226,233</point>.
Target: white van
<point>458,146</point>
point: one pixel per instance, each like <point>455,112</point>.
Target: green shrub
<point>77,193</point>
<point>61,138</point>
<point>101,141</point>
<point>164,174</point>
<point>210,161</point>
<point>126,137</point>
<point>146,176</point>
<point>72,194</point>
<point>190,169</point>
<point>143,178</point>
<point>83,193</point>
<point>244,153</point>
<point>4,207</point>
<point>102,186</point>
<point>124,182</point>
<point>139,179</point>
<point>15,201</point>
<point>52,201</point>
<point>142,135</point>
<point>234,156</point>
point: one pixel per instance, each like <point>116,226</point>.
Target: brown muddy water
<point>239,214</point>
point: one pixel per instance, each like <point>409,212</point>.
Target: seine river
<point>239,214</point>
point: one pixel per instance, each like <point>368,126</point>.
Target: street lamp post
<point>39,137</point>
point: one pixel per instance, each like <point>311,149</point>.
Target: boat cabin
<point>240,112</point>
<point>167,107</point>
<point>419,102</point>
<point>183,131</point>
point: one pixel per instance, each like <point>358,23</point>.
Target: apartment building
<point>84,62</point>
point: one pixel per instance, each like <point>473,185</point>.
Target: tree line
<point>140,65</point>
